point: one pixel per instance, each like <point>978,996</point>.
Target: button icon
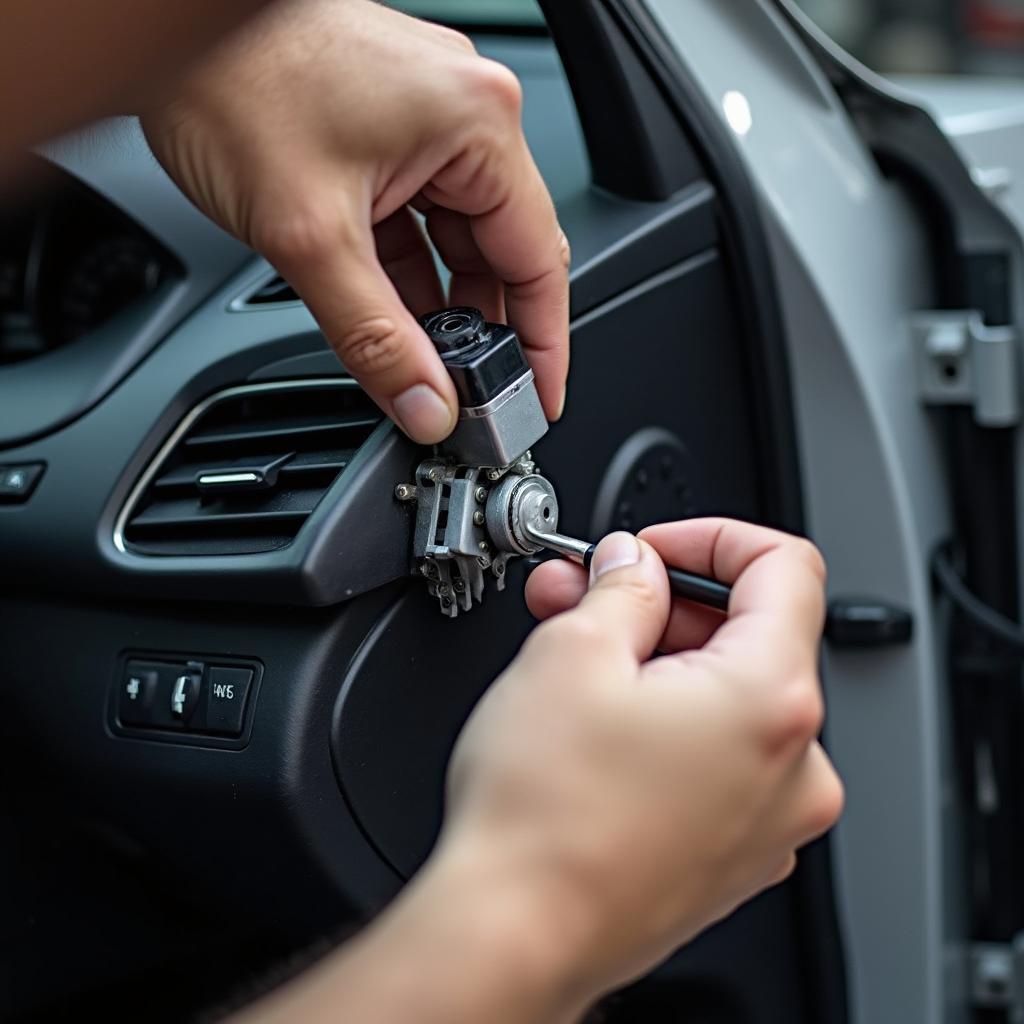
<point>138,689</point>
<point>227,691</point>
<point>18,482</point>
<point>185,692</point>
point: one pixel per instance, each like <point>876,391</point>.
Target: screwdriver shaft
<point>687,585</point>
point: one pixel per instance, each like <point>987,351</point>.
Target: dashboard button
<point>138,688</point>
<point>18,482</point>
<point>185,692</point>
<point>227,690</point>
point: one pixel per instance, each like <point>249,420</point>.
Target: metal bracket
<point>997,977</point>
<point>452,549</point>
<point>960,360</point>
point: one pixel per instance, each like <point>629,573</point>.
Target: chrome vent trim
<point>178,435</point>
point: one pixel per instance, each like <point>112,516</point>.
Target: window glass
<point>916,36</point>
<point>507,13</point>
<point>927,36</point>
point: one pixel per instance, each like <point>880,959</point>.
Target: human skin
<point>313,138</point>
<point>605,804</point>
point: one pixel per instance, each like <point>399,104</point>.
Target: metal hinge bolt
<point>961,360</point>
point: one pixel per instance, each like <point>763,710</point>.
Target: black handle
<point>687,584</point>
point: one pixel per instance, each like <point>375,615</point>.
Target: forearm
<point>63,64</point>
<point>465,943</point>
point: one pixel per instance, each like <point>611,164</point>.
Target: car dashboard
<point>229,710</point>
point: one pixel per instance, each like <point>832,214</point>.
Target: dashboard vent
<point>274,291</point>
<point>245,469</point>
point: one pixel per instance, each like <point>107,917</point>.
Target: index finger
<point>778,584</point>
<point>513,223</point>
<point>526,247</point>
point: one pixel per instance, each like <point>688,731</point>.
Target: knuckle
<point>809,554</point>
<point>370,347</point>
<point>460,39</point>
<point>783,872</point>
<point>800,714</point>
<point>640,593</point>
<point>826,806</point>
<point>294,239</point>
<point>497,87</point>
<point>564,250</point>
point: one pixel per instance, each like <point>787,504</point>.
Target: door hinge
<point>961,360</point>
<point>997,977</point>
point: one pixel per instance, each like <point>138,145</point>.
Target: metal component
<point>515,502</point>
<point>158,461</point>
<point>963,361</point>
<point>496,434</point>
<point>405,492</point>
<point>568,547</point>
<point>452,548</point>
<point>493,475</point>
<point>996,972</point>
<point>481,494</point>
<point>219,479</point>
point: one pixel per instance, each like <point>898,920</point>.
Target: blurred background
<point>910,36</point>
<point>928,36</point>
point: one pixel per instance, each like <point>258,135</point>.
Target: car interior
<point>228,704</point>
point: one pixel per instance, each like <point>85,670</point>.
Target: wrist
<point>519,924</point>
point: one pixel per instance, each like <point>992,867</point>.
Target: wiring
<point>993,622</point>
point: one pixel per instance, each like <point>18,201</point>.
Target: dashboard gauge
<point>104,278</point>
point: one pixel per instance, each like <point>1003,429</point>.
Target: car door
<point>229,711</point>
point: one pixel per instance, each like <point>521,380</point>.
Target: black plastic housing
<point>483,359</point>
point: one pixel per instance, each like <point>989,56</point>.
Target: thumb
<point>375,336</point>
<point>629,598</point>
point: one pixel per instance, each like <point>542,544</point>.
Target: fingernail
<point>423,414</point>
<point>561,407</point>
<point>616,551</point>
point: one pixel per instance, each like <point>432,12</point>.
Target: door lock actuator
<point>466,525</point>
<point>480,500</point>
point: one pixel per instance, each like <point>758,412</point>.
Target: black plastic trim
<point>744,242</point>
<point>185,737</point>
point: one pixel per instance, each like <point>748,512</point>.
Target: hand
<point>647,797</point>
<point>309,136</point>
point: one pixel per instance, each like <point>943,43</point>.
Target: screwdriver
<point>682,584</point>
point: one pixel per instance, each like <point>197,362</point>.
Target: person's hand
<point>647,796</point>
<point>309,135</point>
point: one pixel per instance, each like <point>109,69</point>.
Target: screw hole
<point>950,371</point>
<point>546,513</point>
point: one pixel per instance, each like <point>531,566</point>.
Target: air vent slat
<point>260,432</point>
<point>188,512</point>
<point>275,436</point>
<point>304,463</point>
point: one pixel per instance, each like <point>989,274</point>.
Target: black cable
<point>995,623</point>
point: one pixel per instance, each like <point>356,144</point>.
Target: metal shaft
<point>683,584</point>
<point>578,551</point>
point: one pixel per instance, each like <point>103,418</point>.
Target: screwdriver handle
<point>687,585</point>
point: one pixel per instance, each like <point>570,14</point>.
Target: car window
<point>506,13</point>
<point>894,36</point>
<point>927,36</point>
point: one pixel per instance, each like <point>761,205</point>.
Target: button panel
<point>227,690</point>
<point>204,700</point>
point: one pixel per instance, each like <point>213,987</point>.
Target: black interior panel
<point>334,793</point>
